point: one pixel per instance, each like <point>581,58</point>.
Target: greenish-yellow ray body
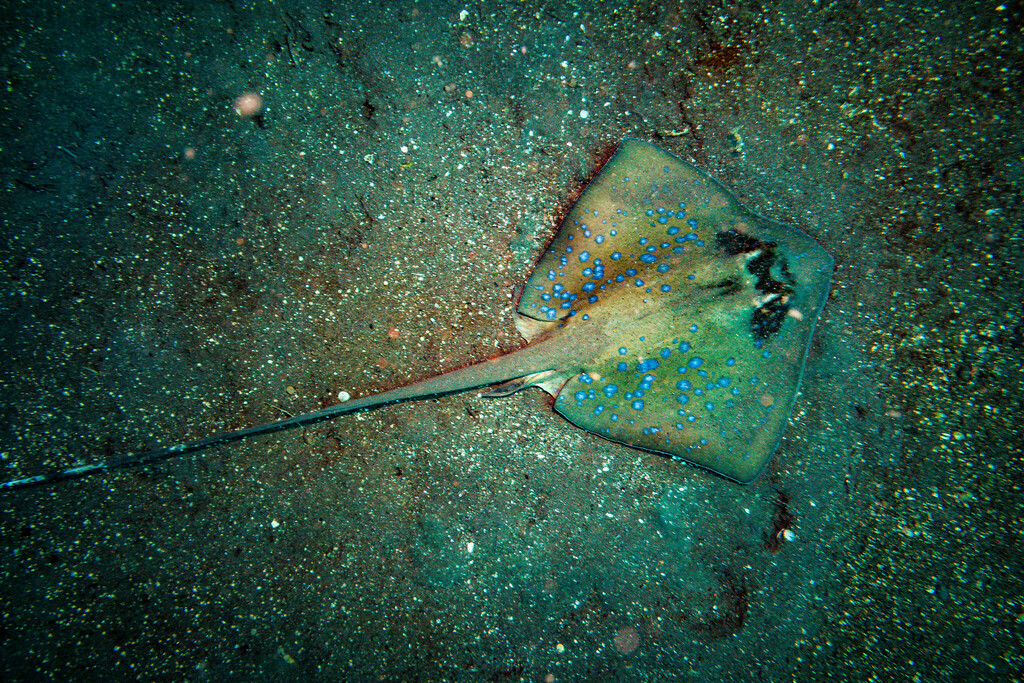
<point>706,308</point>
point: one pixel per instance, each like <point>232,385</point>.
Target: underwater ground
<point>220,213</point>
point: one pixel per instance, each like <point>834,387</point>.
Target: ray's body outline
<point>605,305</point>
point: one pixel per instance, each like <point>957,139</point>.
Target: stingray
<point>664,316</point>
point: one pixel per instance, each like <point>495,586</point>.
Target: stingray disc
<point>707,308</point>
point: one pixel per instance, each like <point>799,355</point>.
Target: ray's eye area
<point>733,242</point>
<point>767,319</point>
<point>772,274</point>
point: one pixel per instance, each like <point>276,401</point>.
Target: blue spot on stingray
<point>730,362</point>
<point>649,212</point>
<point>584,256</point>
<point>683,385</point>
<point>673,230</point>
<point>666,288</point>
<point>709,405</point>
<point>610,390</point>
<point>648,258</point>
<point>695,362</point>
<point>694,328</point>
<point>599,239</point>
<point>598,410</point>
<point>622,367</point>
<point>586,379</point>
<point>684,347</point>
<point>663,219</point>
<point>637,405</point>
<point>623,351</point>
<point>616,256</point>
<point>665,353</point>
<point>647,365</point>
<point>683,399</point>
<point>580,395</point>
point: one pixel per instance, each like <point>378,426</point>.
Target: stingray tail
<point>159,454</point>
<point>523,362</point>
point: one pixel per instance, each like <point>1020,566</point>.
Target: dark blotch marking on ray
<point>766,320</point>
<point>727,286</point>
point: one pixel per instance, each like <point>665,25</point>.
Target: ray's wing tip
<point>742,470</point>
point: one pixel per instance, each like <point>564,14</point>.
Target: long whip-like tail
<point>526,361</point>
